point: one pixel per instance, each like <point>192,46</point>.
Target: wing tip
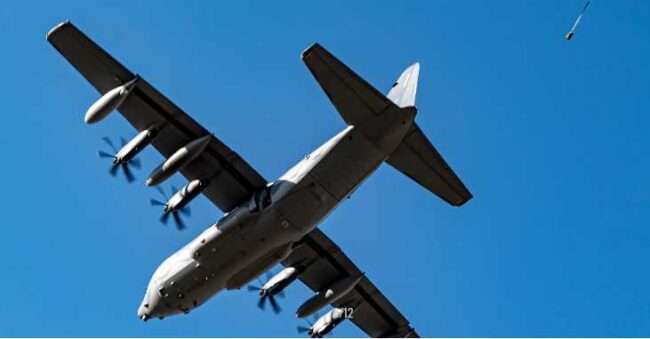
<point>309,49</point>
<point>57,28</point>
<point>411,333</point>
<point>460,202</point>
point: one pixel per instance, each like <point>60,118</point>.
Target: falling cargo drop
<point>572,31</point>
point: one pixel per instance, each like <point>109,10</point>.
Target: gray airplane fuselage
<point>261,232</point>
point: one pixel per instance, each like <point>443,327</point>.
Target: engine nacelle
<point>179,159</point>
<point>109,102</point>
<point>327,322</point>
<point>185,194</point>
<point>328,295</point>
<point>279,281</point>
<point>137,144</point>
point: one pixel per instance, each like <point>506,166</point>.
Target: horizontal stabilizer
<point>416,158</point>
<point>354,98</point>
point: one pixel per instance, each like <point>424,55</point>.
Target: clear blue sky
<point>551,137</point>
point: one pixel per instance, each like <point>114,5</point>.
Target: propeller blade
<point>110,143</point>
<point>253,288</point>
<point>186,211</point>
<point>162,192</point>
<point>135,163</point>
<point>103,154</point>
<point>274,305</point>
<point>123,141</point>
<point>164,218</point>
<point>261,303</point>
<point>315,318</point>
<point>174,189</point>
<point>127,173</point>
<point>155,202</point>
<point>302,329</point>
<point>179,222</point>
<point>113,170</point>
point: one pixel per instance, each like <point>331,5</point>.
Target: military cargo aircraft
<point>266,223</point>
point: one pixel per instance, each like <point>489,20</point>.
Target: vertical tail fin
<point>404,89</point>
<point>357,101</point>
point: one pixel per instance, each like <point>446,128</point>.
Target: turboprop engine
<point>326,323</point>
<point>328,295</point>
<point>185,195</point>
<point>274,286</point>
<point>178,201</point>
<point>177,160</point>
<point>109,102</point>
<point>137,144</point>
<point>126,155</point>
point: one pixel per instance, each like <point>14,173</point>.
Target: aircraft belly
<point>230,257</point>
<point>304,207</point>
<point>343,168</point>
<point>239,255</point>
<point>338,170</point>
<point>261,263</point>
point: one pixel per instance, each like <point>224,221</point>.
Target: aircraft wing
<point>232,179</point>
<point>373,313</point>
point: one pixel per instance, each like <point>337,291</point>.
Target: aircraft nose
<point>148,307</point>
<point>145,310</point>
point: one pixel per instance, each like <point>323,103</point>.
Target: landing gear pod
<point>179,159</point>
<point>109,102</point>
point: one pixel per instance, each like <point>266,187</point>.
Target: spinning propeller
<point>118,162</point>
<point>265,295</point>
<point>308,330</point>
<point>170,208</point>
